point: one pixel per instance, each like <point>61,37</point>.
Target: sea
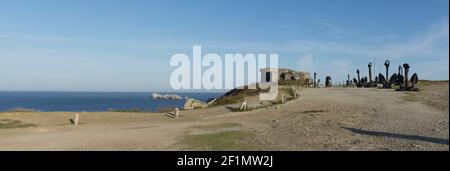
<point>93,101</point>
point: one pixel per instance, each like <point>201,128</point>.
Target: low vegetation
<point>219,137</point>
<point>220,141</point>
<point>128,110</point>
<point>9,123</point>
<point>238,109</point>
<point>21,109</point>
<point>432,93</point>
<point>410,96</point>
<point>162,109</point>
<point>237,96</point>
<point>216,126</point>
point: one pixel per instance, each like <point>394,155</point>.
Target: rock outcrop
<point>168,96</point>
<point>194,104</point>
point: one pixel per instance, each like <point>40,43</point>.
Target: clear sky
<point>117,45</point>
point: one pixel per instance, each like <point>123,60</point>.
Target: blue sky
<point>116,45</point>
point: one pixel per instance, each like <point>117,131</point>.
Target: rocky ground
<point>320,119</point>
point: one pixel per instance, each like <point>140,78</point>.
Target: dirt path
<point>321,119</point>
<point>352,119</point>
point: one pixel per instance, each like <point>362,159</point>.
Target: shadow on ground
<point>399,136</point>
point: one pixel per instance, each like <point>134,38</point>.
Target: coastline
<point>91,101</point>
<point>319,119</point>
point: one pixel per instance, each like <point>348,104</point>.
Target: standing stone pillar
<point>244,105</point>
<point>76,119</point>
<point>177,112</point>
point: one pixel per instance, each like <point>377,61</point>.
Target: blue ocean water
<point>91,101</point>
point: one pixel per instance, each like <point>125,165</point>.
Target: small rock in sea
<point>168,96</point>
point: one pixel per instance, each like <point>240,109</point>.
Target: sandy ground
<point>320,119</point>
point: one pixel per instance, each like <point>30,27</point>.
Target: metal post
<point>370,74</point>
<point>387,64</point>
<point>359,78</point>
<point>348,79</point>
<point>406,66</point>
<point>315,84</point>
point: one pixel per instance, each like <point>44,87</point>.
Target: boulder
<point>211,101</point>
<point>194,104</point>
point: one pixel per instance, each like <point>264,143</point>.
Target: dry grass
<point>22,109</point>
<point>220,141</point>
<point>219,137</point>
<point>9,124</point>
<point>128,110</point>
<point>410,96</point>
<point>216,126</point>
